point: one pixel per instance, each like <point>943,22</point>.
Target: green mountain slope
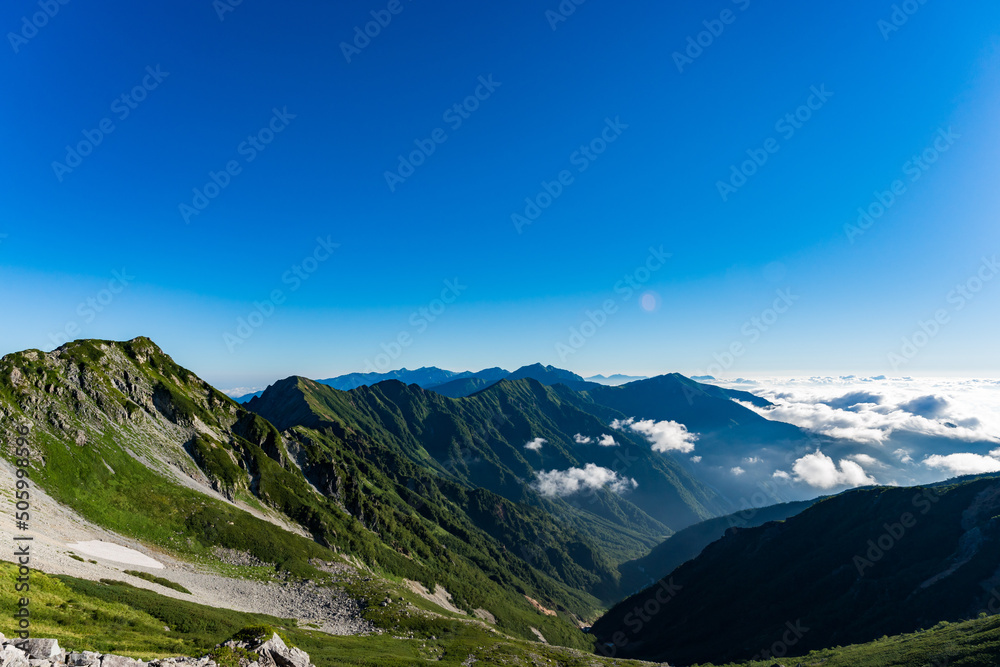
<point>851,568</point>
<point>462,387</point>
<point>134,442</point>
<point>688,543</point>
<point>480,441</point>
<point>113,616</point>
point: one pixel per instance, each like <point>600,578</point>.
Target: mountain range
<point>528,504</point>
<point>460,383</point>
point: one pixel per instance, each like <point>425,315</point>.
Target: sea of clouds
<point>906,429</point>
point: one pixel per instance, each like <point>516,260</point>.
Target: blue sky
<point>851,301</point>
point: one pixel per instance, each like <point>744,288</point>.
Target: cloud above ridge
<point>664,436</point>
<point>562,483</point>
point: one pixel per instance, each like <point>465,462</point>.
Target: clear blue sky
<point>656,184</point>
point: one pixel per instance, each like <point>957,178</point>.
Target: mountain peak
<point>545,374</point>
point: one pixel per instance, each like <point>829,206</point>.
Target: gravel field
<point>54,527</point>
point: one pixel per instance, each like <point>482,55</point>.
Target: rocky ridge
<point>256,652</point>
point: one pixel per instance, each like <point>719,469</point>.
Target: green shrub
<point>256,634</point>
<point>158,580</point>
<point>224,656</point>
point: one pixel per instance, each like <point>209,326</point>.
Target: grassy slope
<point>688,543</point>
<point>973,643</point>
<point>139,502</point>
<point>116,617</point>
<point>741,590</point>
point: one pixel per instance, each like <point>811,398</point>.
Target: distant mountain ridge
<point>616,379</point>
<point>458,384</point>
<point>725,431</point>
<point>425,377</point>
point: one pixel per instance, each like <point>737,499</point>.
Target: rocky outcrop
<point>272,652</point>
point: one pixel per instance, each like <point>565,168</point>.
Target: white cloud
<point>866,460</point>
<point>903,456</point>
<point>752,459</point>
<point>607,441</point>
<point>963,464</point>
<point>736,470</point>
<point>995,453</point>
<point>560,483</point>
<point>781,474</point>
<point>820,471</point>
<point>236,392</point>
<point>536,444</point>
<point>696,459</point>
<point>665,436</point>
<point>870,410</point>
<point>582,439</point>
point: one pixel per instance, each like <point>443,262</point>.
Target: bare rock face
<point>39,649</point>
<point>274,653</point>
<point>119,661</point>
<point>47,653</point>
<point>11,656</point>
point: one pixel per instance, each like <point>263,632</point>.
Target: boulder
<point>39,649</point>
<point>11,656</point>
<point>274,653</point>
<point>85,659</point>
<point>119,661</point>
<point>39,663</point>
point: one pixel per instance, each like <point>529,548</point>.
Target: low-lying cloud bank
<point>908,428</point>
